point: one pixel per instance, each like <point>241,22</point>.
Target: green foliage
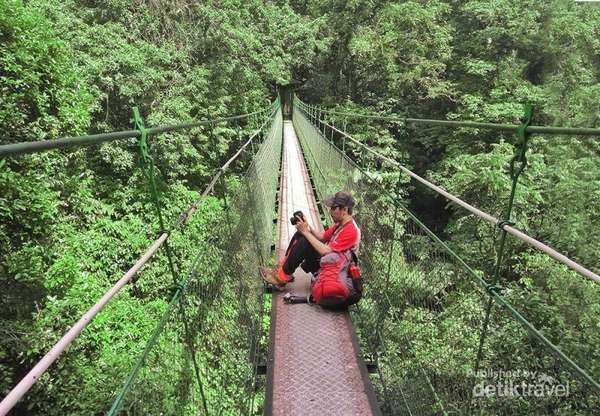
<point>410,45</point>
<point>42,95</point>
<point>72,222</point>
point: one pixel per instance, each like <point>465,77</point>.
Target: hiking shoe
<point>268,276</point>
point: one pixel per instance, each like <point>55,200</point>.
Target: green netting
<point>221,301</point>
<point>423,315</point>
<point>329,169</point>
<point>187,342</point>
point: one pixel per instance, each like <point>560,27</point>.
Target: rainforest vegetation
<point>73,220</point>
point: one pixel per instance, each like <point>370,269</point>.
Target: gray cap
<point>342,199</point>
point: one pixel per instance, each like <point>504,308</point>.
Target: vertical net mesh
<point>217,318</point>
<point>173,343</point>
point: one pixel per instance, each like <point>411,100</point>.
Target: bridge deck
<point>314,366</point>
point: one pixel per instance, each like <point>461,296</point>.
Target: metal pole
<point>15,149</point>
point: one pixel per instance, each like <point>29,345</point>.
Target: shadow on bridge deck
<point>315,365</point>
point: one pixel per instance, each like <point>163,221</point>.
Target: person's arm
<point>317,234</point>
<point>322,249</point>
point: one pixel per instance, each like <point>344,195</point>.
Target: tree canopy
<point>71,221</point>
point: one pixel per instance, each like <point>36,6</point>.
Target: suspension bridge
<point>380,357</point>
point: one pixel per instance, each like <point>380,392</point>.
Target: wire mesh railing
<point>195,349</point>
<point>445,337</point>
<point>222,300</point>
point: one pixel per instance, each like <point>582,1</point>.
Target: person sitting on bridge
<point>327,254</point>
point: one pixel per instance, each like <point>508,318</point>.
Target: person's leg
<point>300,252</point>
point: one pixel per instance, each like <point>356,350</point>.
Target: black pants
<point>301,253</point>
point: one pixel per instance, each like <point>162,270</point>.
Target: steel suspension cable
<point>52,355</point>
<point>147,166</point>
<point>578,131</point>
<point>15,149</point>
<point>481,214</point>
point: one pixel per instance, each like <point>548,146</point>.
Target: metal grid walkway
<point>314,365</point>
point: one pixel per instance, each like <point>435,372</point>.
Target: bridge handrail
<point>52,355</point>
<point>14,149</point>
<point>577,131</point>
<point>583,271</point>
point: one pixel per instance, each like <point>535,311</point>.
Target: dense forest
<point>72,221</point>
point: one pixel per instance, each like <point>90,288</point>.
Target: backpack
<point>339,283</point>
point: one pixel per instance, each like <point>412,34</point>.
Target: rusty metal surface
<point>314,367</point>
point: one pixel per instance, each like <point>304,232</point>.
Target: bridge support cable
<point>590,132</point>
<point>231,333</point>
<point>487,217</point>
<point>21,148</point>
<point>517,165</point>
<point>268,118</point>
<point>147,167</point>
<point>439,296</point>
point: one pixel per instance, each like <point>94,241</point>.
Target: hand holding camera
<point>297,215</point>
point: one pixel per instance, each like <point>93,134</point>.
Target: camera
<point>297,214</point>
